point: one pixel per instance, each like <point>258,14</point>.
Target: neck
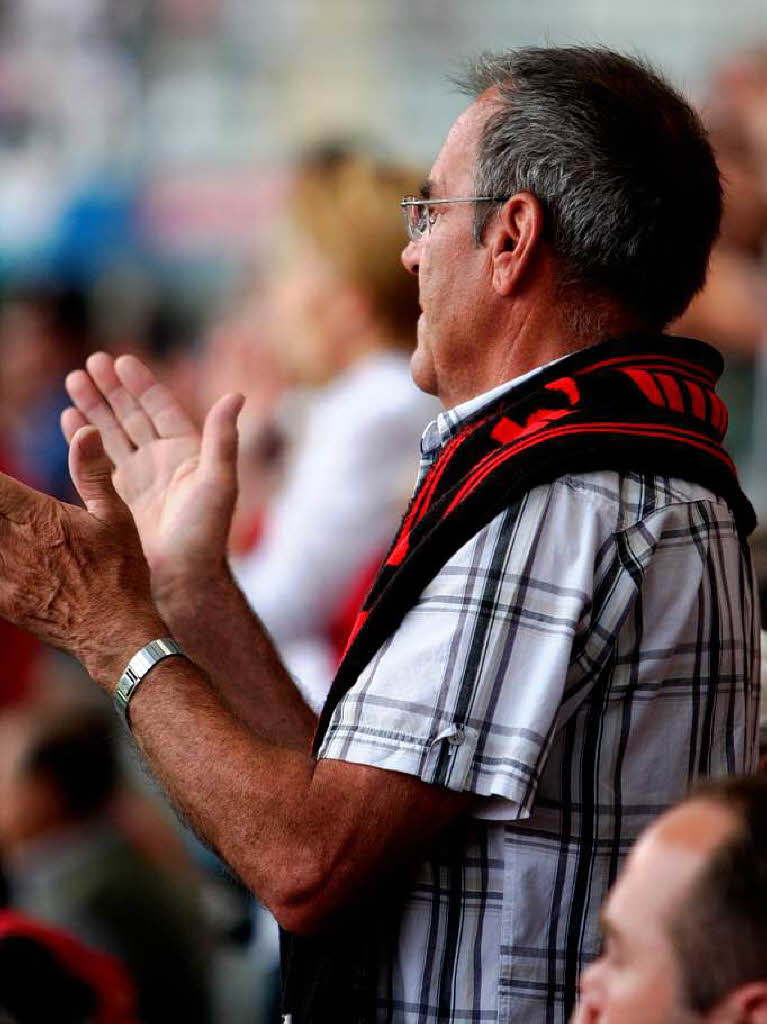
<point>532,337</point>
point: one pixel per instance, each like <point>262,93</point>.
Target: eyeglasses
<point>418,215</point>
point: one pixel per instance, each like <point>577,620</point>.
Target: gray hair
<point>622,167</point>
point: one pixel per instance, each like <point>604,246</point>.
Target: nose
<point>588,1009</point>
<point>411,257</point>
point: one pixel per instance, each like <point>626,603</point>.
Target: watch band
<point>138,667</point>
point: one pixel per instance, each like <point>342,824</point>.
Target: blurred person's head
<point>685,926</point>
<point>342,293</point>
<point>744,222</point>
<point>45,331</point>
<point>54,773</point>
<point>239,355</point>
<point>736,115</point>
<point>169,343</point>
<point>605,201</point>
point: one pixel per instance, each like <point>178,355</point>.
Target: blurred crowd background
<point>213,185</point>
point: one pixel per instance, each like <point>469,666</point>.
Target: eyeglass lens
<point>416,219</point>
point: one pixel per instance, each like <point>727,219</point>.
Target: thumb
<point>91,472</point>
<point>218,451</point>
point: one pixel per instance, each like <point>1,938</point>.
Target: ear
<point>746,1005</point>
<point>513,237</point>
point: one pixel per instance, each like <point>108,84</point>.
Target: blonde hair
<point>348,205</point>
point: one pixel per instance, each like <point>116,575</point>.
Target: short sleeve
<point>470,690</point>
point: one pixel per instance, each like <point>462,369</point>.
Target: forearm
<point>305,836</point>
<point>251,798</point>
<point>247,799</point>
<point>211,620</point>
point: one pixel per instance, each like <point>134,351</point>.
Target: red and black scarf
<point>644,405</point>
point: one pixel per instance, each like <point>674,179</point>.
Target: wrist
<point>181,592</point>
<point>138,668</point>
<point>106,655</point>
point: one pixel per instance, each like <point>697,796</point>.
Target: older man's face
<point>637,979</point>
<point>453,273</point>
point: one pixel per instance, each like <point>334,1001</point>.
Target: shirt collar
<point>448,423</point>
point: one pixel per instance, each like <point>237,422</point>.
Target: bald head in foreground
<point>685,927</point>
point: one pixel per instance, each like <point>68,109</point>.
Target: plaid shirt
<point>577,664</point>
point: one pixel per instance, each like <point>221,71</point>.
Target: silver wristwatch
<point>138,667</point>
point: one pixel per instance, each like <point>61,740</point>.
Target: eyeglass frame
<point>408,201</point>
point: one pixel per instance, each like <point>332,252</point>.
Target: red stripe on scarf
<point>625,429</point>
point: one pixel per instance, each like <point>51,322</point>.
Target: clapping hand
<point>76,577</point>
<point>180,485</point>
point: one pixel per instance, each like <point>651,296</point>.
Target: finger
<point>90,402</point>
<point>129,414</point>
<point>157,401</point>
<point>91,472</point>
<point>218,451</point>
<point>71,420</point>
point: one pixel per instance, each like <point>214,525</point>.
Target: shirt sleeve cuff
<point>447,759</point>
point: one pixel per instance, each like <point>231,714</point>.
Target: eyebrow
<point>426,188</point>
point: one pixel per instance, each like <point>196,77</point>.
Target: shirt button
<point>457,738</point>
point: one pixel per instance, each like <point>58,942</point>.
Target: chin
<point>422,372</point>
<point>421,363</point>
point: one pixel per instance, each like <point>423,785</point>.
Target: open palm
<point>179,485</point>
